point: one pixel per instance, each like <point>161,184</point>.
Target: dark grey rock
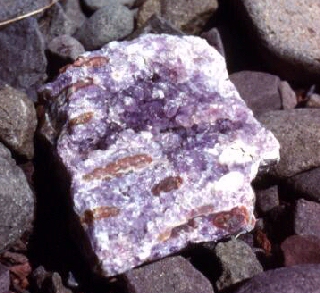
<point>267,199</point>
<point>297,279</point>
<point>66,47</point>
<point>258,89</point>
<point>17,120</point>
<point>307,218</point>
<point>12,9</point>
<point>16,200</point>
<point>97,4</point>
<point>287,95</point>
<point>4,278</point>
<point>289,32</point>
<point>156,25</point>
<point>73,11</point>
<point>301,249</point>
<point>307,184</point>
<point>188,16</point>
<point>55,22</point>
<point>169,275</point>
<point>298,133</point>
<point>238,263</point>
<point>214,39</point>
<point>105,25</point>
<point>23,70</point>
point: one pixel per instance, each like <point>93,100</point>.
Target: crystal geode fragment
<point>159,146</point>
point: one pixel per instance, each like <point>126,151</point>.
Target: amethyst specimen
<point>160,148</point>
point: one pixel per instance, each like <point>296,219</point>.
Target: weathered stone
<point>267,199</point>
<point>153,135</point>
<point>259,90</point>
<point>17,120</point>
<point>188,16</point>
<point>55,22</point>
<point>313,101</point>
<point>97,4</point>
<point>24,71</point>
<point>306,184</point>
<point>4,278</point>
<point>170,275</point>
<point>109,23</point>
<point>238,263</point>
<point>73,11</point>
<point>301,249</point>
<point>66,47</point>
<point>288,96</point>
<point>307,218</point>
<point>297,279</point>
<point>299,137</point>
<point>16,200</point>
<point>289,32</point>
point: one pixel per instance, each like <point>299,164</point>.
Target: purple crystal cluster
<point>160,148</point>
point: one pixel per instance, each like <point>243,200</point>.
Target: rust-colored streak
<point>165,235</point>
<point>81,119</point>
<point>99,213</point>
<point>232,220</point>
<point>119,167</point>
<point>167,184</point>
<point>97,61</point>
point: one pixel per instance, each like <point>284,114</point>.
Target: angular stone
<point>238,263</point>
<point>17,120</point>
<point>24,71</point>
<point>4,278</point>
<point>259,90</point>
<point>109,23</point>
<point>307,218</point>
<point>306,184</point>
<point>170,275</point>
<point>301,249</point>
<point>214,39</point>
<point>299,136</point>
<point>313,101</point>
<point>288,96</point>
<point>267,199</point>
<point>16,200</point>
<point>154,136</point>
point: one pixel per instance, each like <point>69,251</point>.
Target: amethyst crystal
<point>159,146</point>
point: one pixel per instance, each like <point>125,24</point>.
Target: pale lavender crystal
<point>160,148</point>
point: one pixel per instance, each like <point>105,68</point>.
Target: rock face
<point>16,200</point>
<point>160,148</point>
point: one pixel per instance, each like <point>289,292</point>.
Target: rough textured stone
<point>214,39</point>
<point>258,89</point>
<point>299,136</point>
<point>25,71</point>
<point>97,4</point>
<point>307,184</point>
<point>238,263</point>
<point>73,11</point>
<point>66,47</point>
<point>12,9</point>
<point>110,23</point>
<point>4,278</point>
<point>155,25</point>
<point>16,200</point>
<point>267,199</point>
<point>189,16</point>
<point>307,218</point>
<point>290,33</point>
<point>153,135</point>
<point>313,101</point>
<point>55,22</point>
<point>301,249</point>
<point>288,96</point>
<point>297,279</point>
<point>170,275</point>
<point>17,120</point>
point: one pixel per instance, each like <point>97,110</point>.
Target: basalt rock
<point>159,147</point>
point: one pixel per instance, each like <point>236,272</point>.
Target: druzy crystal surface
<point>159,146</point>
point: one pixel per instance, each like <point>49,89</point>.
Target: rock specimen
<point>159,146</point>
